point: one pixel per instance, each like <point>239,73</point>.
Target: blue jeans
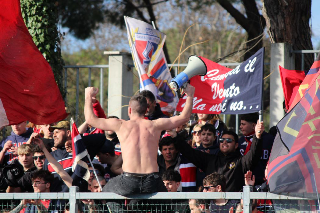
<point>131,183</point>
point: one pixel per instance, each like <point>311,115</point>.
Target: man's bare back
<point>138,137</point>
<point>139,146</point>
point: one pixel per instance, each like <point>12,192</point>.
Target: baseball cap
<point>107,147</point>
<point>60,125</point>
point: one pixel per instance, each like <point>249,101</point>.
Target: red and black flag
<point>312,74</point>
<point>294,164</point>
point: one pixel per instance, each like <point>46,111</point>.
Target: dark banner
<point>226,91</point>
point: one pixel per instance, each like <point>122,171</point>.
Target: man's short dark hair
<point>148,94</point>
<point>229,132</point>
<point>251,117</point>
<point>37,149</point>
<point>171,175</point>
<point>100,168</point>
<point>167,141</point>
<point>44,175</point>
<point>215,179</point>
<point>209,127</point>
<point>141,104</point>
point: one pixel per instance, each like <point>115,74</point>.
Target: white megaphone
<point>195,67</point>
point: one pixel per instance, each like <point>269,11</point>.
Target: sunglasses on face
<point>229,140</point>
<point>196,132</point>
<point>41,157</point>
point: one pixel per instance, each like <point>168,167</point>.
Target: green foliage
<point>197,4</point>
<point>81,16</point>
<point>84,57</point>
<point>41,21</point>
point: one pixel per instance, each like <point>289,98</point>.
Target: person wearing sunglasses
<point>228,160</point>
<point>38,158</point>
<point>196,135</point>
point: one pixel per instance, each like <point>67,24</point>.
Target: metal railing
<point>101,69</point>
<point>302,52</point>
<point>247,196</point>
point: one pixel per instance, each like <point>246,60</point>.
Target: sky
<point>315,23</point>
<point>76,44</point>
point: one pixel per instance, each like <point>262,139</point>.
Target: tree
<point>119,8</point>
<point>81,17</point>
<point>41,20</point>
<point>288,22</point>
<point>250,20</point>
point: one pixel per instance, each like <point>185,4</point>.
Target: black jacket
<point>259,166</point>
<point>157,113</point>
<point>233,166</point>
<point>93,144</point>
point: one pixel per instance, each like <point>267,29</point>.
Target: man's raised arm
<point>101,123</point>
<point>175,121</point>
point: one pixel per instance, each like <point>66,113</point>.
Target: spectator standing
<point>112,136</point>
<point>47,136</point>
<point>106,155</point>
<point>20,134</point>
<point>38,157</point>
<point>153,108</point>
<point>170,159</point>
<point>208,139</point>
<point>196,141</point>
<point>208,144</point>
<point>228,161</point>
<point>41,181</point>
<point>217,183</point>
<point>247,127</point>
<point>25,158</point>
<point>62,134</point>
<point>213,119</point>
<point>198,206</point>
<point>171,179</point>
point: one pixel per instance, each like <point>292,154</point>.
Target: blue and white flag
<point>80,155</point>
<point>146,46</point>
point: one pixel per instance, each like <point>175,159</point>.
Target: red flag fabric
<point>308,80</point>
<point>28,90</point>
<point>291,80</point>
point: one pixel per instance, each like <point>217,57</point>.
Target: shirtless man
<point>139,140</point>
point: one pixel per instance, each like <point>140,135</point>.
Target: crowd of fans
<point>205,156</point>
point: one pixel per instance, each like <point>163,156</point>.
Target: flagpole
<point>261,111</point>
<point>154,26</point>
<point>94,171</point>
<point>314,177</point>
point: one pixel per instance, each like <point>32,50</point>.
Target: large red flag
<point>291,80</point>
<point>308,80</point>
<point>28,90</point>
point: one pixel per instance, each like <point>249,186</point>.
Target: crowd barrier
<point>73,198</point>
